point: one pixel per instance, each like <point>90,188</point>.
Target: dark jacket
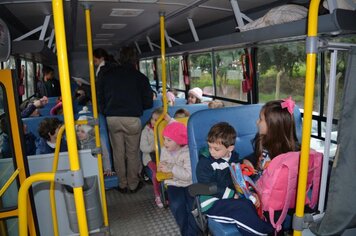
<point>123,91</point>
<point>210,170</point>
<point>44,148</point>
<point>53,88</point>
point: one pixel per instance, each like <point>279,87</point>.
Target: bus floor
<point>136,214</point>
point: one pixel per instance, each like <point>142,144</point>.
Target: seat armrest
<point>202,189</point>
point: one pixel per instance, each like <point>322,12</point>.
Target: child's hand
<point>248,163</point>
<point>167,117</point>
<point>160,166</point>
<point>257,202</point>
<point>44,100</point>
<point>236,196</point>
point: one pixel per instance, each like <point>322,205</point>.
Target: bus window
<point>146,68</point>
<point>281,72</point>
<point>176,74</point>
<point>159,72</point>
<point>30,78</point>
<point>228,74</point>
<point>200,69</point>
<point>10,64</point>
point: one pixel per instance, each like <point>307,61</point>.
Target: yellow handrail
<point>164,87</point>
<point>308,109</point>
<point>9,181</point>
<point>22,203</point>
<point>95,114</point>
<point>58,16</point>
<point>54,170</point>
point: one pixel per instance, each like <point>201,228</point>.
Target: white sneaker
<point>159,202</point>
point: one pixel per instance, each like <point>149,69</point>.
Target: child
<point>48,131</point>
<point>225,205</point>
<point>147,146</point>
<point>215,104</point>
<point>85,134</point>
<point>276,134</point>
<point>175,159</point>
<point>30,109</point>
<point>86,140</point>
<point>170,99</point>
<point>195,96</point>
<point>181,113</point>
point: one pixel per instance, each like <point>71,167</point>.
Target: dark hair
<point>182,111</point>
<point>281,134</point>
<point>222,133</point>
<point>101,53</point>
<point>158,110</point>
<point>128,55</point>
<point>48,125</point>
<point>47,69</point>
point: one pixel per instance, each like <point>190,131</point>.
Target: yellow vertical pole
<point>311,47</point>
<point>62,57</point>
<point>164,83</point>
<point>95,113</point>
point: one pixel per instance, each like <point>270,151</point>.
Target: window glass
<point>228,74</point>
<point>10,64</point>
<point>159,73</point>
<point>23,79</point>
<point>200,70</point>
<point>176,72</point>
<point>281,73</point>
<point>30,79</point>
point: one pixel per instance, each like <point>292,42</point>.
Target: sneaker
<point>158,202</point>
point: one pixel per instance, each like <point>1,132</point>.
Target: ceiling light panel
<point>104,36</point>
<point>113,26</point>
<point>125,12</point>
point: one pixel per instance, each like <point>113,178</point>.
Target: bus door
<point>13,167</point>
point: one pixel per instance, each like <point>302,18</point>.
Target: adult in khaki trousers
<point>123,94</point>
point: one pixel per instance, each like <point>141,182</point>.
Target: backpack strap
<point>317,161</point>
<point>278,225</point>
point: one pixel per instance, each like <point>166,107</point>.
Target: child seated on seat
<point>147,146</point>
<point>175,159</point>
<point>195,96</point>
<point>48,131</point>
<point>30,108</point>
<point>225,205</point>
<point>180,113</point>
<point>170,99</point>
<point>276,134</point>
<point>86,140</point>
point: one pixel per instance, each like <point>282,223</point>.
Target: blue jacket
<point>210,170</point>
<point>44,148</point>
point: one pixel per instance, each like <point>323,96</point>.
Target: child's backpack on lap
<point>277,187</point>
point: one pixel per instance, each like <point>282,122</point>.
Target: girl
<point>175,159</point>
<point>195,96</point>
<point>170,99</point>
<point>276,134</point>
<point>48,131</point>
<point>86,140</point>
<point>147,146</point>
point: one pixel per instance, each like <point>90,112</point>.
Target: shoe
<point>159,202</point>
<point>122,190</point>
<point>139,186</point>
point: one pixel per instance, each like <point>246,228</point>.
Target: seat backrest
<point>32,123</point>
<point>191,108</point>
<point>242,118</point>
<point>180,101</point>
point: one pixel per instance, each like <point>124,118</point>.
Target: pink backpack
<point>277,187</point>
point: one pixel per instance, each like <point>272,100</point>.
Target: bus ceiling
<point>190,25</point>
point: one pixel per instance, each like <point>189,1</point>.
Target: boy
<point>225,205</point>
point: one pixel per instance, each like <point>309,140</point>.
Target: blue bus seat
<point>45,111</point>
<point>52,99</point>
<point>180,101</point>
<point>243,119</point>
<point>191,108</point>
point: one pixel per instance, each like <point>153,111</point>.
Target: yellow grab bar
<point>58,16</point>
<point>308,109</point>
<point>22,203</point>
<point>95,114</point>
<point>9,181</point>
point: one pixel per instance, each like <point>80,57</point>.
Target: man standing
<point>123,94</point>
